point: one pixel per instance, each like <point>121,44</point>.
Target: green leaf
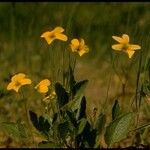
<point>16,130</point>
<point>82,125</point>
<point>71,118</point>
<point>78,89</point>
<point>41,124</point>
<point>63,129</point>
<point>49,144</point>
<point>116,112</point>
<point>81,112</point>
<point>62,95</point>
<point>118,128</point>
<point>75,103</point>
<point>100,123</point>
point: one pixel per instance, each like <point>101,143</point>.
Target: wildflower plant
<point>65,123</point>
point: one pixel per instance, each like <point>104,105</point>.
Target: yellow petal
<point>61,37</point>
<point>117,47</point>
<point>82,43</point>
<point>58,30</point>
<point>42,89</point>
<point>81,52</point>
<point>25,81</point>
<point>84,50</point>
<point>134,47</point>
<point>118,39</point>
<point>125,38</point>
<point>130,53</point>
<point>16,88</point>
<point>74,44</point>
<point>46,34</point>
<point>18,76</point>
<point>10,86</point>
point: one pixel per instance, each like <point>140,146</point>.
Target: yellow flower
<point>124,45</point>
<point>17,81</point>
<point>79,46</point>
<point>42,87</point>
<point>50,36</point>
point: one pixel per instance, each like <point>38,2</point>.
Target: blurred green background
<point>22,49</point>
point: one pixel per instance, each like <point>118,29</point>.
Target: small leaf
<point>49,144</point>
<point>116,110</point>
<point>81,112</point>
<point>82,125</point>
<point>62,95</point>
<point>118,129</point>
<point>100,123</point>
<point>41,124</point>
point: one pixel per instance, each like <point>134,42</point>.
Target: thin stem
<point>26,110</point>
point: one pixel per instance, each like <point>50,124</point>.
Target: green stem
<point>27,115</point>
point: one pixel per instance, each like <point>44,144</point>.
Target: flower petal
<point>118,39</point>
<point>135,47</point>
<point>10,86</point>
<point>58,30</point>
<point>130,53</point>
<point>74,44</point>
<point>125,38</point>
<point>46,34</point>
<point>117,47</point>
<point>25,81</point>
<point>61,37</point>
<point>42,89</point>
<point>18,76</point>
<point>45,82</point>
<point>82,43</point>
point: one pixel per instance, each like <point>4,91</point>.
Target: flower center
<point>125,47</point>
<point>17,83</point>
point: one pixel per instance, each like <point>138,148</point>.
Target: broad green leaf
<point>116,110</point>
<point>100,123</point>
<point>81,112</point>
<point>48,144</point>
<point>41,124</point>
<point>63,129</point>
<point>118,128</point>
<point>62,95</point>
<point>81,126</point>
<point>71,118</point>
<point>75,103</point>
<point>16,130</point>
<point>78,89</point>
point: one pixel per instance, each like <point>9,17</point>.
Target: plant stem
<point>27,115</point>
